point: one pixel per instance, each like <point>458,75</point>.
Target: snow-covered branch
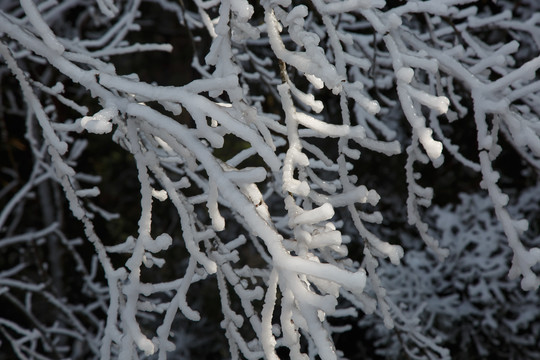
<point>255,176</point>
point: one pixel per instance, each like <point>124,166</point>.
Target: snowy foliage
<point>467,300</point>
<point>252,177</point>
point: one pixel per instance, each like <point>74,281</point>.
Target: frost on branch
<point>478,283</point>
<point>254,178</point>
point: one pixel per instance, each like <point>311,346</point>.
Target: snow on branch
<point>254,176</point>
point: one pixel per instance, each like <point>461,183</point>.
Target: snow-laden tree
<point>467,300</point>
<point>259,178</point>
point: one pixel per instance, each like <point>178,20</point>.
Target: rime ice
<point>253,177</point>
